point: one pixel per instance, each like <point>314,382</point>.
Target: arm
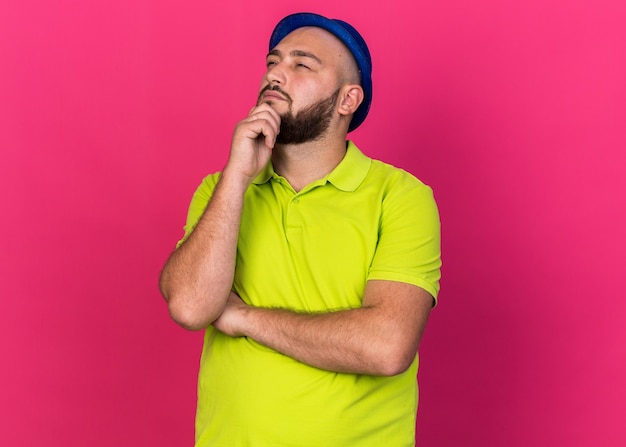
<point>198,276</point>
<point>379,338</point>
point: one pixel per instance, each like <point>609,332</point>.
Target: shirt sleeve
<point>199,202</point>
<point>409,248</point>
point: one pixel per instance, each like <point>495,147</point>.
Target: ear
<point>351,97</point>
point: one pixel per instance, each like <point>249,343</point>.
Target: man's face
<point>308,124</point>
<point>302,83</point>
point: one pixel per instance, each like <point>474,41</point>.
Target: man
<point>312,267</point>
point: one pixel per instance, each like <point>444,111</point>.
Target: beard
<point>309,124</point>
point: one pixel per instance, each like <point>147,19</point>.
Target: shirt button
<point>296,200</point>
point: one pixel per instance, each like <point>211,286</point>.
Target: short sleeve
<point>198,204</point>
<point>409,248</point>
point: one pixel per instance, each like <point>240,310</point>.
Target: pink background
<point>112,111</point>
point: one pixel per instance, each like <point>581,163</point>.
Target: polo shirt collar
<point>266,174</point>
<point>351,171</point>
<point>347,176</point>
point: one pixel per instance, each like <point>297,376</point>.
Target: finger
<point>271,120</point>
<point>261,127</point>
<point>270,141</point>
<point>264,109</point>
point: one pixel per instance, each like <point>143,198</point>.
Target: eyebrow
<point>296,53</point>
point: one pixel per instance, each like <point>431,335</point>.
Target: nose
<point>276,74</point>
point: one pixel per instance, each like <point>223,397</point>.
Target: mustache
<point>275,88</point>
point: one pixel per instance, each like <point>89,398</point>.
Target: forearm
<point>198,276</point>
<point>350,341</point>
<point>379,338</point>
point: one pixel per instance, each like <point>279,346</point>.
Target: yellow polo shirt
<point>314,251</point>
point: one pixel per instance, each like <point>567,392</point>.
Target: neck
<point>302,164</point>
